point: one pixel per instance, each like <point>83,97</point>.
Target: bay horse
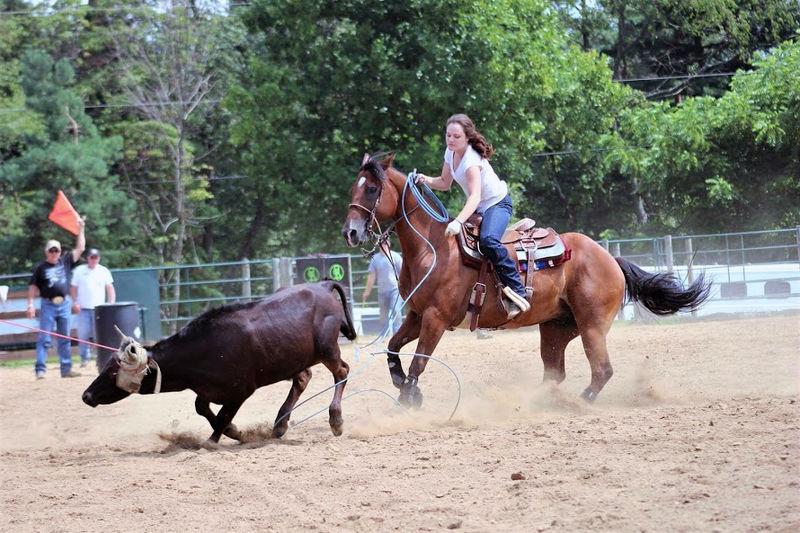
<point>580,297</point>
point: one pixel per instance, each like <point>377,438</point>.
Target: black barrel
<point>124,315</point>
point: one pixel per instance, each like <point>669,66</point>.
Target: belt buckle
<point>58,300</point>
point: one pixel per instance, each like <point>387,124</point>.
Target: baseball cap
<point>92,251</point>
<point>52,243</point>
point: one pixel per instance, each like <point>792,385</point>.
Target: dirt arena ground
<point>697,431</point>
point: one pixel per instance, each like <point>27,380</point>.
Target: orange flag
<point>64,214</point>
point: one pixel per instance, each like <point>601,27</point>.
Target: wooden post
<point>798,244</point>
<point>668,253</point>
<point>281,273</point>
<point>246,288</point>
<point>689,261</point>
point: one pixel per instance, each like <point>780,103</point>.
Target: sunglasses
<point>53,250</point>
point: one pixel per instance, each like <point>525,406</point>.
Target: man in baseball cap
<point>91,285</point>
<point>51,281</point>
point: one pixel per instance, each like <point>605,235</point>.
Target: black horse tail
<point>662,293</point>
<point>347,328</point>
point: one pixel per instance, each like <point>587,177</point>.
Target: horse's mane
<point>373,165</point>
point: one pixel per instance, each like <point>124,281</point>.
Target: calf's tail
<point>347,328</point>
<point>662,293</point>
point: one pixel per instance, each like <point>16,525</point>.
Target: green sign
<point>336,272</point>
<point>311,274</point>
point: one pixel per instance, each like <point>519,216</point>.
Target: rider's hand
<point>421,178</point>
<point>453,228</point>
<point>31,312</point>
<point>76,308</point>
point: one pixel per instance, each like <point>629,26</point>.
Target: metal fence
<point>189,290</point>
<point>753,258</point>
<point>722,251</point>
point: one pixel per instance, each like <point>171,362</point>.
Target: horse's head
<point>368,201</point>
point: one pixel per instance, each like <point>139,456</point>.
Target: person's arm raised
<point>80,240</point>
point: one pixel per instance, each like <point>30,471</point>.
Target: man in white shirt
<point>91,286</point>
<point>385,267</point>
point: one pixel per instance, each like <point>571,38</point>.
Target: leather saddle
<point>524,241</point>
<point>532,248</point>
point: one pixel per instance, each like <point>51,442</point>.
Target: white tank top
<point>493,189</point>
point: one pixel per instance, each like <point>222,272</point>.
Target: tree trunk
<point>641,214</point>
<point>584,27</point>
<point>620,69</point>
<point>247,247</point>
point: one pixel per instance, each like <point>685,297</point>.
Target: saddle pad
<point>543,253</point>
<point>547,258</point>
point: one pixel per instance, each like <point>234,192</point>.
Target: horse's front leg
<point>408,332</point>
<point>431,330</point>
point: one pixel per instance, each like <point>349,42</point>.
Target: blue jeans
<point>391,305</point>
<point>495,221</point>
<point>50,315</point>
<point>86,331</point>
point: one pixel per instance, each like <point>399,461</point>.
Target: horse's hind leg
<point>201,405</point>
<point>299,384</point>
<point>554,337</point>
<point>594,344</point>
<point>408,332</point>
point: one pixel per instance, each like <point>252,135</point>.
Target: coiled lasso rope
<point>420,193</point>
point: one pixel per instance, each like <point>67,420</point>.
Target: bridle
<point>373,222</point>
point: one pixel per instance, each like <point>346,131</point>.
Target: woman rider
<point>466,160</point>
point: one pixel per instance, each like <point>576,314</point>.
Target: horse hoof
<point>336,426</point>
<point>589,395</point>
<point>411,399</point>
<point>279,431</point>
<point>398,380</point>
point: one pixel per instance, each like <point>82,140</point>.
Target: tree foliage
<point>67,153</point>
<point>188,131</point>
<point>736,155</point>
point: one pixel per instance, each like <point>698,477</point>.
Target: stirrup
<point>517,304</point>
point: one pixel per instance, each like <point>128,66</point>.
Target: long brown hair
<point>474,137</point>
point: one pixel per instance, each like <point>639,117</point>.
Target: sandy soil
<point>697,430</point>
